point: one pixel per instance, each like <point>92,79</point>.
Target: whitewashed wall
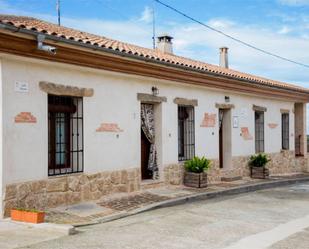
<point>1,136</point>
<point>115,101</point>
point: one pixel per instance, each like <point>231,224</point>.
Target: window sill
<point>65,175</point>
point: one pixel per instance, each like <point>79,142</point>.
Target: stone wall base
<point>75,188</point>
<point>69,189</point>
<point>282,163</point>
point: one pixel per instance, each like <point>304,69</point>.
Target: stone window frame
<point>71,117</point>
<point>65,90</point>
<point>224,106</point>
<point>259,127</point>
<point>189,105</point>
<point>259,108</point>
<point>150,98</point>
<point>185,102</point>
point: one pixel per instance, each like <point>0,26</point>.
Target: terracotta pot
<point>27,216</point>
<point>196,180</point>
<point>16,215</point>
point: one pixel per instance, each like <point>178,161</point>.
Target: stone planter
<point>27,216</point>
<point>259,172</point>
<point>195,180</point>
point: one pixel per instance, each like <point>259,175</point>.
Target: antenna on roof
<point>58,11</point>
<point>153,28</point>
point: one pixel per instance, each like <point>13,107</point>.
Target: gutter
<point>136,57</point>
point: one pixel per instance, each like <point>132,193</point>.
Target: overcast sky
<point>279,26</point>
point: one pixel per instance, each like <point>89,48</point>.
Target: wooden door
<point>145,148</point>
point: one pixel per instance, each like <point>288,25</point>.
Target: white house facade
<point>94,119</point>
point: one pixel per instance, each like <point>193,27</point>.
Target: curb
<point>65,229</point>
<point>199,197</point>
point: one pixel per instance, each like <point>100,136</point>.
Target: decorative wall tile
<point>25,117</point>
<point>109,127</point>
<point>272,125</point>
<point>245,133</point>
<point>209,120</point>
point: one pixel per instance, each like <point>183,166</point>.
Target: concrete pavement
<point>16,234</point>
<point>274,218</point>
<point>120,205</point>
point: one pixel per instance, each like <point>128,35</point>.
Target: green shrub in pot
<point>259,160</point>
<point>197,164</point>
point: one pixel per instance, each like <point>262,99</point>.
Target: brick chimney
<point>224,59</point>
<point>164,44</point>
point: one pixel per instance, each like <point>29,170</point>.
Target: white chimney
<point>164,44</point>
<point>224,59</point>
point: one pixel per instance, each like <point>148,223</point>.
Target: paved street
<point>277,219</point>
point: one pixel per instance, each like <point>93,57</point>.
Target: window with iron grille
<point>186,133</point>
<point>65,135</point>
<point>285,131</point>
<point>259,131</point>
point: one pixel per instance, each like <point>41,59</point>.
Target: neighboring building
<point>97,116</point>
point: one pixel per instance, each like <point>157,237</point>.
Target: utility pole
<point>153,28</point>
<point>58,11</point>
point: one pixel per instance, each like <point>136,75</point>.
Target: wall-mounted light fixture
<point>227,99</point>
<point>43,47</point>
<point>155,91</point>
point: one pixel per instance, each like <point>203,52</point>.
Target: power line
<point>229,36</point>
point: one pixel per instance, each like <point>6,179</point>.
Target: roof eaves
<point>140,56</point>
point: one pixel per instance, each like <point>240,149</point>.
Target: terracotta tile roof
<point>33,24</point>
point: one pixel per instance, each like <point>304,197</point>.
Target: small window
<point>285,131</point>
<point>65,135</point>
<point>259,132</point>
<point>186,133</point>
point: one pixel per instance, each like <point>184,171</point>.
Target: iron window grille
<point>186,133</point>
<point>259,131</point>
<point>285,131</point>
<point>298,143</point>
<point>65,135</point>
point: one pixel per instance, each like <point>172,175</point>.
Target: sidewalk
<point>19,234</point>
<point>123,204</point>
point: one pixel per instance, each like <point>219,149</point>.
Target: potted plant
<point>27,215</point>
<point>195,172</point>
<point>257,165</point>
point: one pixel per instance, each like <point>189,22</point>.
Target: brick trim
<point>25,117</point>
<point>109,127</point>
<point>272,125</point>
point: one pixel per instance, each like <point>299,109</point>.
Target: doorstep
<point>121,205</point>
<point>149,184</point>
